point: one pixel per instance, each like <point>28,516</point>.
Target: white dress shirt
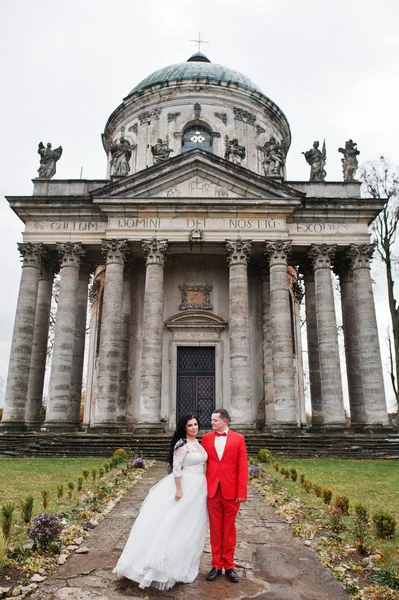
<point>220,443</point>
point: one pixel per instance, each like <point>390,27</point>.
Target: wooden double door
<point>196,382</point>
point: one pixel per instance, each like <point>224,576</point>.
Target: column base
<point>59,427</point>
<point>149,428</point>
<point>372,428</point>
<point>329,427</point>
<point>110,428</point>
<point>12,426</point>
<point>34,425</point>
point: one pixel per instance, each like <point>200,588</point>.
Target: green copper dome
<point>197,67</point>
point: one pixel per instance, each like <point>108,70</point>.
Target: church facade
<point>190,261</point>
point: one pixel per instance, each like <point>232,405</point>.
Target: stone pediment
<point>197,174</point>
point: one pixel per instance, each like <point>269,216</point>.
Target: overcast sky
<point>331,66</point>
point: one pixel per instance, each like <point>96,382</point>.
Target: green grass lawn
<point>375,483</point>
<point>20,477</point>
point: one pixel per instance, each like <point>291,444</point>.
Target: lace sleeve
<point>178,458</point>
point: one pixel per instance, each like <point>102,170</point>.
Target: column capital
<point>115,251</point>
<point>359,255</point>
<point>154,251</point>
<point>238,252</point>
<point>70,254</point>
<point>31,254</point>
<point>278,252</point>
<point>322,255</point>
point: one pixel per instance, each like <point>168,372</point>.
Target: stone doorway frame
<point>194,328</point>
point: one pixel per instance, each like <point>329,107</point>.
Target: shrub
<point>361,512</point>
<point>80,484</point>
<point>71,487</point>
<point>7,511</point>
<point>27,508</point>
<point>342,502</point>
<point>45,531</point>
<point>317,490</point>
<point>336,519</point>
<point>326,494</point>
<point>294,474</point>
<point>45,498</point>
<point>384,524</point>
<point>121,455</point>
<point>276,466</point>
<point>265,456</point>
<point>387,576</point>
<point>60,491</point>
<point>86,474</point>
<point>308,486</point>
<point>302,479</point>
<point>106,467</point>
<point>3,549</point>
<point>94,474</point>
<point>287,473</point>
<point>139,463</point>
<point>101,472</point>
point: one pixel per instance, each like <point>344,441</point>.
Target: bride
<point>168,536</point>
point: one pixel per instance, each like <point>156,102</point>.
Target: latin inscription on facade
<point>202,223</point>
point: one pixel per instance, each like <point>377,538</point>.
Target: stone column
<point>75,396</point>
<point>369,349</point>
<point>124,342</point>
<point>330,372</point>
<point>57,414</point>
<point>22,338</point>
<point>238,253</point>
<point>313,348</point>
<point>34,399</point>
<point>153,323</point>
<point>283,372</point>
<point>270,414</point>
<point>106,412</point>
<point>351,338</point>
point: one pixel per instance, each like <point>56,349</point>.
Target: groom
<point>227,478</point>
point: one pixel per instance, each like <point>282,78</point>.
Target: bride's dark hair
<point>179,437</point>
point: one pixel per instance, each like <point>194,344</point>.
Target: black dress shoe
<point>214,574</point>
<point>231,575</point>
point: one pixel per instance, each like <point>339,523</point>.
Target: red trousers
<point>222,524</point>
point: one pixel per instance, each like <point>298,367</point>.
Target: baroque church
<point>189,261</point>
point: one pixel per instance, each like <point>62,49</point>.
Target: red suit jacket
<point>232,471</point>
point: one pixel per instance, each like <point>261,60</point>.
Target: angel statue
<point>161,150</point>
<point>349,162</point>
<point>48,159</point>
<point>274,158</point>
<point>316,159</point>
<point>234,152</point>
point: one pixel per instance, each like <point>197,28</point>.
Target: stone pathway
<point>272,564</point>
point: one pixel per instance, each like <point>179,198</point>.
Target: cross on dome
<point>199,42</point>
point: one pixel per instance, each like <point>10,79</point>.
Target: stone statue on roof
<point>274,158</point>
<point>121,152</point>
<point>316,158</point>
<point>48,159</point>
<point>349,162</point>
<point>234,152</point>
<point>161,150</point>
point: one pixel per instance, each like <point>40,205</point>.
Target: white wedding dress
<point>168,536</point>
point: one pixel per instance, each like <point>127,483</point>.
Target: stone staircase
<point>295,445</point>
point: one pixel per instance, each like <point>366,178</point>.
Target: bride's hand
<point>179,494</point>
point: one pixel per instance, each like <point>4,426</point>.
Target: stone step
<point>370,446</point>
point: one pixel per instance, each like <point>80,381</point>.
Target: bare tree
<point>381,180</point>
